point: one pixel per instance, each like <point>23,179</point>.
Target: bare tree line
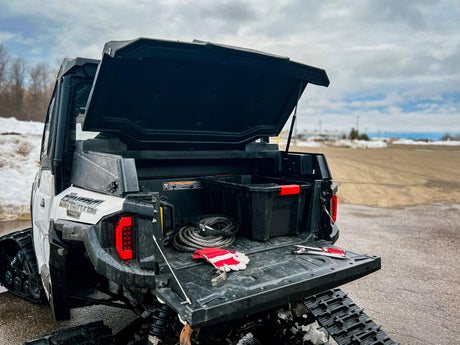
<point>24,90</point>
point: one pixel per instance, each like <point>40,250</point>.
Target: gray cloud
<point>234,11</point>
<point>395,12</point>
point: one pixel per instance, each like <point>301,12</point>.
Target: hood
<point>168,94</point>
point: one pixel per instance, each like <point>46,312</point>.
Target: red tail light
<point>334,208</point>
<point>124,238</point>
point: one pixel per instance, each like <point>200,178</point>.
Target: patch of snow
<point>415,142</point>
<point>316,138</point>
<point>11,125</point>
<point>361,144</point>
<point>19,160</point>
<point>375,144</point>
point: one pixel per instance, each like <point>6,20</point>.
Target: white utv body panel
<point>73,204</point>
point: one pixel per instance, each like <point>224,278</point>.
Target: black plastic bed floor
<point>274,276</point>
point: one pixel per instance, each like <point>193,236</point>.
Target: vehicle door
<point>42,197</point>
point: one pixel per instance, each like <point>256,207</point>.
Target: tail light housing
<point>334,208</point>
<point>124,238</point>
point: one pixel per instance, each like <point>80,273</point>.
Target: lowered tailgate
<point>273,277</point>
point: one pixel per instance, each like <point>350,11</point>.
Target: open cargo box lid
<point>189,95</point>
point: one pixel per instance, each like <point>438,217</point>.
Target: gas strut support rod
<point>187,300</point>
<point>294,118</point>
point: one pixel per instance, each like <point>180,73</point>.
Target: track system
<point>18,266</point>
<point>344,320</point>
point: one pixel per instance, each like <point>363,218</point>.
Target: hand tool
<point>330,252</point>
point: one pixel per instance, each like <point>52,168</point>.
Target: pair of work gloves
<point>223,259</point>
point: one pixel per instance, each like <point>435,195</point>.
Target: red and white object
<point>331,252</point>
<point>222,259</point>
<point>328,250</point>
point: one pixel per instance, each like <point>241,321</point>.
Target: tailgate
<point>274,276</point>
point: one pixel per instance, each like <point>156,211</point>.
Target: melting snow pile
<point>309,143</point>
<point>360,144</point>
<point>414,142</point>
<point>19,158</point>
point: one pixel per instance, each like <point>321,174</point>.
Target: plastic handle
<point>290,189</point>
<point>334,251</point>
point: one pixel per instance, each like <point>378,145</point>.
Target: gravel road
<point>415,296</point>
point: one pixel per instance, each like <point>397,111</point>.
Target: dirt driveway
<point>400,175</point>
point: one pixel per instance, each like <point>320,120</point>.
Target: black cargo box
<point>264,206</point>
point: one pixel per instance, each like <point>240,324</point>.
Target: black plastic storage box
<point>264,206</point>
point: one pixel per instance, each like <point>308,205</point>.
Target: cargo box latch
<point>289,189</point>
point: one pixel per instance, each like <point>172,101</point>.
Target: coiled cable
<point>212,231</point>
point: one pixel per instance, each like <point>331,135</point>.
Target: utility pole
<point>319,133</point>
<point>357,123</point>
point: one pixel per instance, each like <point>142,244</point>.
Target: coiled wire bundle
<point>213,231</point>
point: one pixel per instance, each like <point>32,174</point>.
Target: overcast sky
<point>393,63</point>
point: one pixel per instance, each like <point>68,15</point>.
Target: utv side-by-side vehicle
<point>159,191</point>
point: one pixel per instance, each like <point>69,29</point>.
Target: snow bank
<point>11,125</point>
<point>307,143</point>
<point>414,142</point>
<point>19,158</point>
<point>360,144</point>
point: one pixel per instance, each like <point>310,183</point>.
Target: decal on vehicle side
<point>75,204</point>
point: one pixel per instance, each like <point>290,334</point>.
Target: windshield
<point>80,96</point>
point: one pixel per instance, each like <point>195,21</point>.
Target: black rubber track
<point>28,272</point>
<point>344,320</point>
